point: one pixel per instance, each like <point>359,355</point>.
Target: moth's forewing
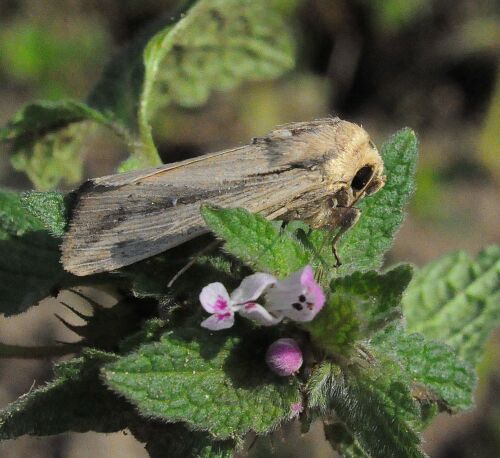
<point>122,219</point>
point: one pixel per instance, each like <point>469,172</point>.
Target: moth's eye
<point>362,177</point>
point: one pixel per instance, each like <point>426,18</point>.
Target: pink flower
<point>215,299</point>
<point>298,297</point>
<point>284,357</point>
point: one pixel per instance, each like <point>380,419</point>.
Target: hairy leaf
<point>456,299</point>
<point>362,248</point>
<point>256,241</point>
<point>430,365</point>
<point>373,407</point>
<point>46,139</point>
<point>75,401</point>
<point>216,45</point>
<point>212,382</point>
<point>358,305</point>
<point>29,257</point>
<point>49,208</point>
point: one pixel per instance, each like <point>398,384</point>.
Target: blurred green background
<point>432,65</point>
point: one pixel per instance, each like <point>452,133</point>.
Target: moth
<point>313,171</point>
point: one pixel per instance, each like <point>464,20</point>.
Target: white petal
<point>300,315</point>
<point>213,297</point>
<point>252,287</point>
<point>218,322</point>
<point>281,298</point>
<point>258,313</point>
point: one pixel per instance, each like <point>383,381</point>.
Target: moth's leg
<point>343,218</point>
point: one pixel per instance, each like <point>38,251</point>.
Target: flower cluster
<point>298,297</point>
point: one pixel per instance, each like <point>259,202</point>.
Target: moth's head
<point>350,162</point>
<point>353,166</point>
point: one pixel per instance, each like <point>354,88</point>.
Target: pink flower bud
<point>284,357</point>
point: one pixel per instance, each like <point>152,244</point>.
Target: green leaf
<point>217,44</point>
<point>213,382</point>
<point>29,258</point>
<point>358,305</point>
<point>336,327</point>
<point>456,299</point>
<point>37,119</point>
<point>362,248</point>
<point>46,138</point>
<point>373,407</point>
<point>49,208</point>
<point>75,401</point>
<point>256,241</point>
<point>430,364</point>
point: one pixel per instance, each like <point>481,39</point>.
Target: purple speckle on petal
<point>284,357</point>
<point>250,306</point>
<point>224,316</point>
<point>220,304</point>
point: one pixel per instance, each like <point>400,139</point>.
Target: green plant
<point>389,350</point>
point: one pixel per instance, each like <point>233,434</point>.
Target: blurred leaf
<point>75,401</point>
<point>46,140</point>
<point>427,202</point>
<point>489,140</point>
<point>54,57</point>
<point>456,299</point>
<point>395,14</point>
<point>358,305</point>
<point>49,208</point>
<point>216,45</point>
<point>256,241</point>
<point>431,364</point>
<point>29,258</point>
<point>374,406</point>
<point>205,380</point>
<point>37,119</point>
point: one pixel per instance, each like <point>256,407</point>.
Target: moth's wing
<point>122,219</point>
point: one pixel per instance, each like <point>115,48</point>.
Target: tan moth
<point>313,171</point>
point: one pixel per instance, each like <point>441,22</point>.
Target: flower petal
<point>305,314</point>
<point>298,297</point>
<point>218,322</point>
<point>312,288</point>
<point>256,312</point>
<point>284,293</point>
<point>252,287</point>
<point>214,298</point>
